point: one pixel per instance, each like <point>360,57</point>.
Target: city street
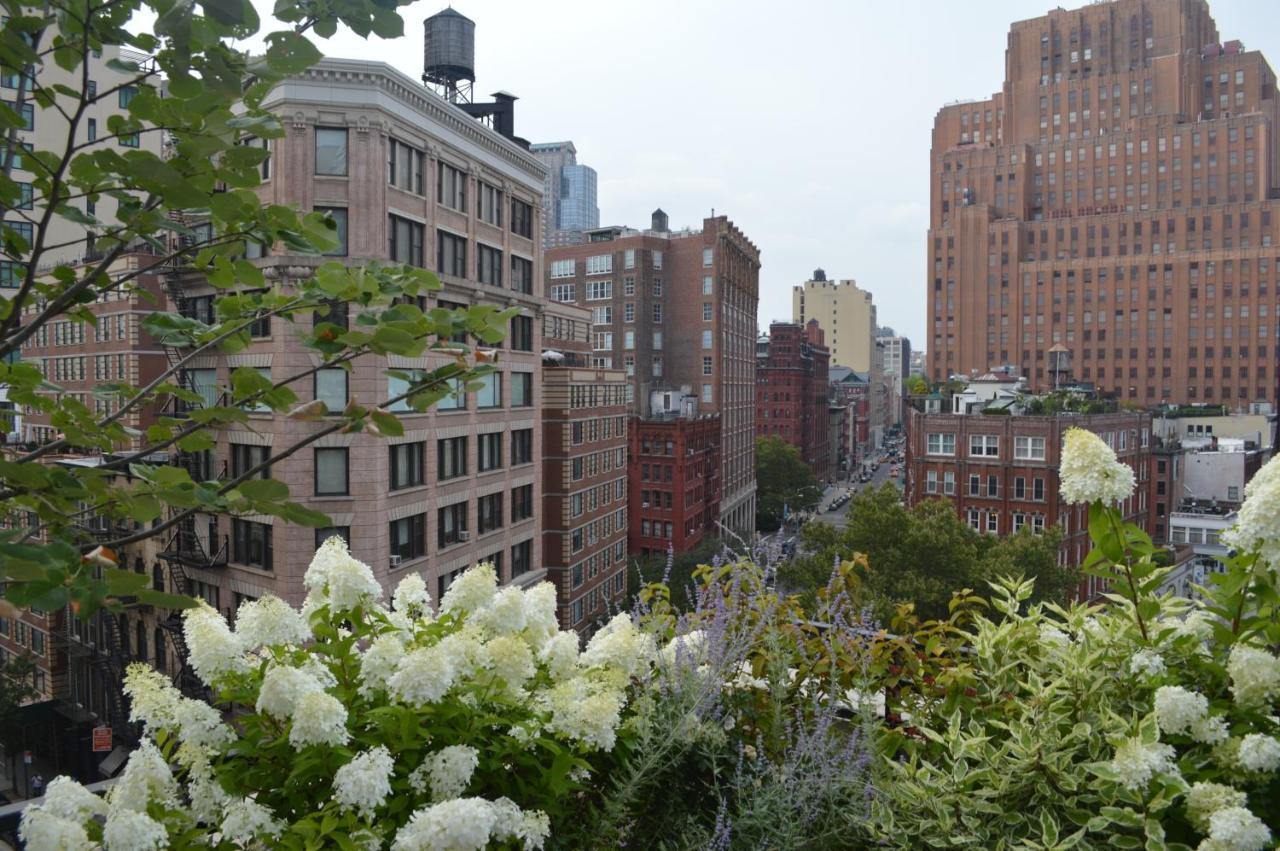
<point>837,518</point>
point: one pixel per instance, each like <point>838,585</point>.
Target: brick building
<point>1113,197</point>
<point>675,488</point>
<point>677,311</point>
<point>584,470</point>
<point>1001,472</point>
<point>410,178</point>
<point>792,391</point>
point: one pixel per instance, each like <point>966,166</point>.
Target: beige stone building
<point>848,316</point>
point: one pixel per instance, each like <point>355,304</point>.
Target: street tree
<point>784,483</point>
<point>194,207</point>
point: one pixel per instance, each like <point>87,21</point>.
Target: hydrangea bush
<point>1148,722</point>
<point>348,724</point>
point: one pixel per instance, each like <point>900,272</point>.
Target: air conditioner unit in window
<point>644,505</point>
<point>395,561</point>
<point>464,536</point>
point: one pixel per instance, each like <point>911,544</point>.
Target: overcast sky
<point>806,122</point>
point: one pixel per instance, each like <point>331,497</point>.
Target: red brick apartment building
<point>1001,472</point>
<point>584,471</point>
<point>676,310</point>
<point>792,391</point>
<point>675,482</point>
<point>1116,196</point>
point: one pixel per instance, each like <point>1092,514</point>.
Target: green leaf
<point>290,53</point>
<point>164,600</point>
<point>388,424</point>
<point>264,490</point>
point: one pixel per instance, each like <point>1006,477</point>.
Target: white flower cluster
<point>365,783</point>
<point>245,822</point>
<point>1260,753</point>
<point>1255,676</point>
<point>298,695</point>
<point>213,650</point>
<point>1236,829</point>
<point>1146,663</point>
<point>621,645</point>
<point>1136,762</point>
<point>411,596</point>
<point>470,824</point>
<point>270,622</point>
<point>127,830</point>
<point>339,580</point>
<point>447,772</point>
<point>1090,471</point>
<point>1257,526</point>
<point>1177,709</point>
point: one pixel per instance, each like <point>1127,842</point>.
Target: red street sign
<point>101,739</point>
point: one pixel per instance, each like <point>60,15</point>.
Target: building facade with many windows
<point>792,392</point>
<point>1115,198</point>
<point>569,194</point>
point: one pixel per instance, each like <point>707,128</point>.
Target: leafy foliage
<point>784,483</point>
<point>193,210</point>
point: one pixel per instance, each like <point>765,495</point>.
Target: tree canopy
<point>783,483</point>
<point>921,555</point>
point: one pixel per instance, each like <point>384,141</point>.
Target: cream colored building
<point>847,315</point>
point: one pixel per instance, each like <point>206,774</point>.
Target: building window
<point>1028,448</point>
<point>451,190</point>
<point>993,522</point>
<point>628,286</point>
<point>706,366</point>
<point>602,316</point>
<point>489,204</point>
<point>522,446</point>
<point>331,151</point>
<point>408,538</point>
<point>706,339</point>
<point>707,257</point>
<point>489,265</point>
<point>404,167</point>
<point>1037,490</point>
<point>245,457</point>
<point>451,254</point>
<point>657,340</point>
<point>707,285</point>
<point>405,241</point>
<point>984,445</point>
<point>706,393</point>
<point>331,388</point>
<point>628,339</point>
<point>975,485</point>
<point>521,389</point>
<point>521,218</point>
<point>521,503</point>
<point>657,313</point>
<point>521,275</point>
<point>332,472</point>
<point>489,513</point>
<point>451,458</point>
<point>931,481</point>
<point>28,114</point>
<point>405,464</point>
<point>657,259</point>
<point>564,293</point>
<point>490,393</point>
<point>629,258</point>
<point>521,558</point>
<point>562,269</point>
<point>941,444</point>
<point>599,290</point>
<point>948,482</point>
<point>656,288</point>
<point>92,129</point>
<point>602,341</point>
<point>339,216</point>
<point>706,311</point>
<point>600,264</point>
<point>657,366</point>
<point>522,333</point>
<point>343,532</point>
<point>451,526</point>
<point>490,457</point>
<point>251,543</point>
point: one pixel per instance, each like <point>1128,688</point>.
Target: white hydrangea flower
<point>1255,676</point>
<point>503,614</point>
<point>153,701</point>
<point>471,590</point>
<point>512,661</point>
<point>364,783</point>
<point>1205,799</point>
<point>560,655</point>
<point>422,676</point>
<point>541,621</point>
<point>1135,762</point>
<point>1090,471</point>
<point>146,778</point>
<point>1052,636</point>
<point>127,830</point>
<point>282,687</point>
<point>411,596</point>
<point>1260,752</point>
<point>449,771</point>
<point>1257,526</point>
<point>65,798</point>
<point>41,830</point>
<point>620,644</point>
<point>585,711</point>
<point>339,579</point>
<point>465,651</point>
<point>686,649</point>
<point>208,798</point>
<point>1177,709</point>
<point>1210,730</point>
<point>318,719</point>
<point>246,821</point>
<point>511,823</point>
<point>318,667</point>
<point>379,662</point>
<point>1236,829</point>
<point>270,622</point>
<point>462,824</point>
<point>1146,663</point>
<point>200,725</point>
<point>212,648</point>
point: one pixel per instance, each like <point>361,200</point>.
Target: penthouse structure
<point>1116,197</point>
